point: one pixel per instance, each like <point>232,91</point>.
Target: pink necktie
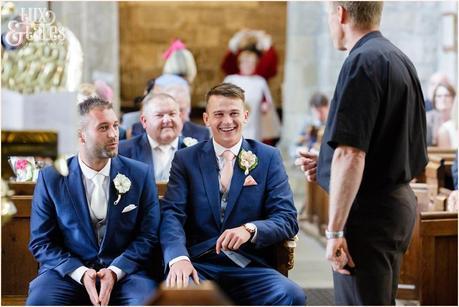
<point>227,171</point>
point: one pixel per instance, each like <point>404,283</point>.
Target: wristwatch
<point>251,228</point>
<point>334,234</point>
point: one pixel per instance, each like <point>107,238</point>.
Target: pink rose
<point>21,164</point>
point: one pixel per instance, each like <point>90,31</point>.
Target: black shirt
<point>377,107</point>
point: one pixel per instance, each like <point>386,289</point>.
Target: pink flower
<point>21,164</point>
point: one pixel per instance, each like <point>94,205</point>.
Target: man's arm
<point>45,234</point>
<point>172,234</point>
<point>346,175</point>
<point>140,249</point>
<point>280,222</point>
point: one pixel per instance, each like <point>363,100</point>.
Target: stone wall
<point>147,28</point>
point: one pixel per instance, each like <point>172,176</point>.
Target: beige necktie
<point>98,200</point>
<point>227,171</point>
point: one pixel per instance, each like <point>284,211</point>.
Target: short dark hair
<point>364,14</point>
<point>226,90</point>
<point>318,100</point>
<point>90,104</point>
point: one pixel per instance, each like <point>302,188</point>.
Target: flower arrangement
<point>247,161</point>
<point>189,141</point>
<point>122,185</point>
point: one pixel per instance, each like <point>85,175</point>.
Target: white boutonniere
<point>122,185</point>
<point>247,161</point>
<point>189,141</point>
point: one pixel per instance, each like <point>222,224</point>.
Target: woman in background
<point>443,98</point>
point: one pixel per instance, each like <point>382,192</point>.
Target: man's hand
<point>180,273</point>
<point>308,164</point>
<point>338,255</point>
<point>232,239</point>
<point>107,281</point>
<point>89,282</point>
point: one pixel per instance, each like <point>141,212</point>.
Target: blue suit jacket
<point>138,148</point>
<point>199,132</point>
<point>191,207</point>
<point>190,129</point>
<point>62,236</point>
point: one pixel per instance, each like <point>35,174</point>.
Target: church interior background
<point>122,44</point>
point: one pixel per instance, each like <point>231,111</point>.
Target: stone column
<point>96,26</point>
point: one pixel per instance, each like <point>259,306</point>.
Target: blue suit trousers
<point>252,285</point>
<point>49,288</point>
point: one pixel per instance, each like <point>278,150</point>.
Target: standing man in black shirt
<point>373,145</point>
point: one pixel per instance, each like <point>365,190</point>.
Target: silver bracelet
<point>334,234</point>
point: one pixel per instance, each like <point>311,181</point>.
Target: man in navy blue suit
<point>228,201</point>
<point>94,230</point>
<point>160,118</point>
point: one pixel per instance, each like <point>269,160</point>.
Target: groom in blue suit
<point>94,230</point>
<point>227,203</point>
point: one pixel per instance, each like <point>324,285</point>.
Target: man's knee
<point>289,293</point>
<point>49,288</point>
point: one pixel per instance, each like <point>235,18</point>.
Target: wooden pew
<point>315,207</point>
<point>431,150</point>
<point>429,269</point>
<point>438,175</point>
<point>18,265</point>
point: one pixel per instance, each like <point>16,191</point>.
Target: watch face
<point>250,228</point>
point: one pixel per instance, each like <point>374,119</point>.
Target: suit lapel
<point>114,212</point>
<point>75,187</point>
<point>237,182</point>
<point>209,172</point>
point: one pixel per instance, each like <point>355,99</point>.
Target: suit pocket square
<point>249,181</point>
<point>129,208</point>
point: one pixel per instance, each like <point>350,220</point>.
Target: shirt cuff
<point>177,259</point>
<point>77,274</point>
<point>119,273</point>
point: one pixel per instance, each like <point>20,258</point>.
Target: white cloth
<point>162,156</point>
<point>88,175</point>
<point>98,197</point>
<point>256,91</point>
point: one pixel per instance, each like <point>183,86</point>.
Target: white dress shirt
<point>88,174</point>
<point>162,156</point>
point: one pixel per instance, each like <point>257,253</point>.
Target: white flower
<point>122,185</point>
<point>188,141</point>
<point>247,161</point>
